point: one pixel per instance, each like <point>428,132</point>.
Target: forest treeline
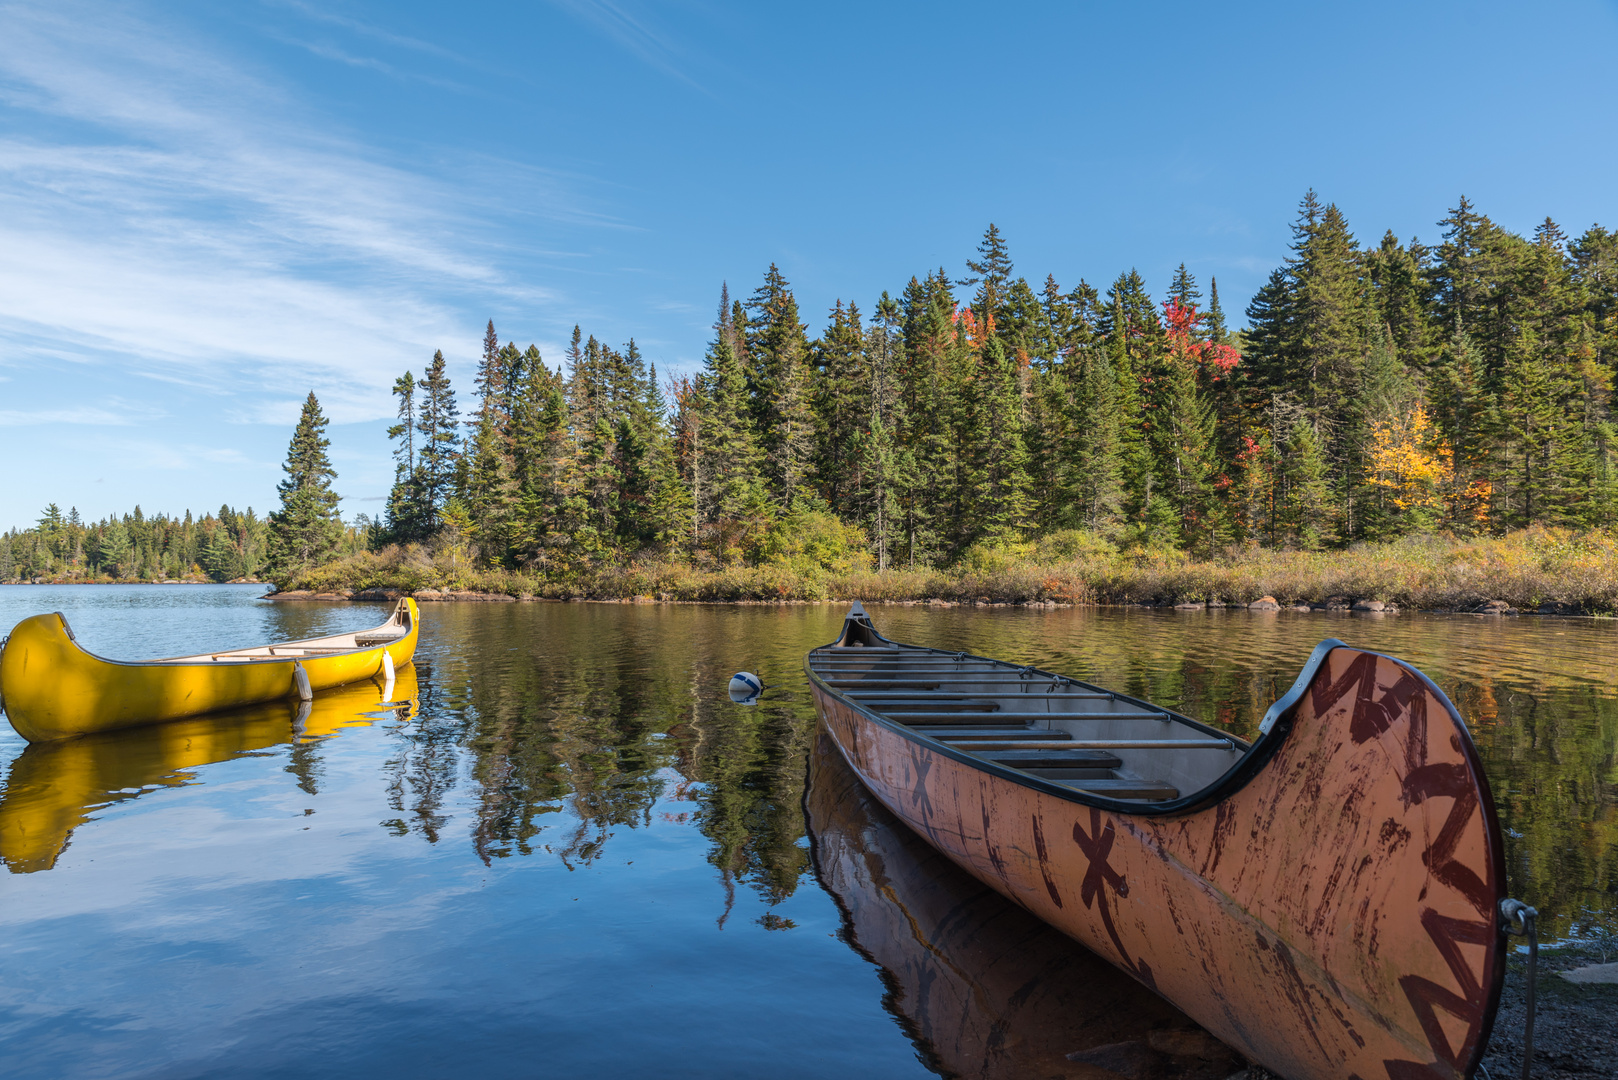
<point>1377,391</point>
<point>225,546</point>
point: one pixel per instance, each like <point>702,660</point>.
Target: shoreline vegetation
<point>1544,571</point>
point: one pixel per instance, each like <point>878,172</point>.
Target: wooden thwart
<point>988,742</point>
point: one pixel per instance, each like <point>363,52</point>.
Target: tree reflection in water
<point>603,717</point>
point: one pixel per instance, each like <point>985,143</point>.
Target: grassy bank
<point>1571,572</point>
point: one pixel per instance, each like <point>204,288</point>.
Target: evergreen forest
<point>1377,390</point>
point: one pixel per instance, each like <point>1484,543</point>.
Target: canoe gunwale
<point>238,660</point>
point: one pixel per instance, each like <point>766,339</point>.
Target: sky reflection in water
<point>572,853</point>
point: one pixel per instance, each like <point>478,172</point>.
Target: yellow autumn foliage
<point>1408,464</point>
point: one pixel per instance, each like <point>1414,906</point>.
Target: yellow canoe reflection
<point>55,787</point>
<point>54,689</point>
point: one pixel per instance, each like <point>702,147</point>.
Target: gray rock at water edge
<point>1494,607</point>
<point>1264,603</point>
<point>1369,605</point>
<point>1593,973</point>
<point>1190,605</point>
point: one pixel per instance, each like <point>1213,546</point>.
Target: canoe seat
<point>1009,733</point>
<point>365,641</point>
<point>890,707</point>
<point>1145,790</point>
<point>885,684</point>
<point>1055,759</point>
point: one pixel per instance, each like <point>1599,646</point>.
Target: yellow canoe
<point>50,688</point>
<point>55,787</point>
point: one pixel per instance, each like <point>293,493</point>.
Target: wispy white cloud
<point>637,35</point>
<point>199,225</point>
<point>376,33</point>
<point>88,415</point>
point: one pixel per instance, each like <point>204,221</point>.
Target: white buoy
<point>387,677</point>
<point>745,684</point>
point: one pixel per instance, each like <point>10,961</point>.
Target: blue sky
<point>207,210</point>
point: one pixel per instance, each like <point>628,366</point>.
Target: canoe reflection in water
<point>55,787</point>
<point>984,988</point>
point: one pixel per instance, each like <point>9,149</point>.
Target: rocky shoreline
<point>1263,604</point>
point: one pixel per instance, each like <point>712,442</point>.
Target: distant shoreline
<point>1266,605</point>
<point>238,581</point>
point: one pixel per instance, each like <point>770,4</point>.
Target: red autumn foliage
<point>1183,321</point>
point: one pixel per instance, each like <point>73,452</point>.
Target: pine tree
<point>1305,513</point>
<point>778,377</point>
<point>885,466</point>
<point>839,397</point>
<point>1182,435</point>
<point>731,507</point>
<point>990,272</point>
<point>1397,279</point>
<point>438,456</point>
<point>406,514</point>
<point>1464,413</point>
<point>995,456</point>
<point>1183,289</point>
<point>1217,332</point>
<point>306,530</point>
<point>926,396</point>
<point>1135,344</point>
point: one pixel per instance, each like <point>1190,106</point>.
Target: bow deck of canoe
<point>52,688</point>
<point>1325,900</point>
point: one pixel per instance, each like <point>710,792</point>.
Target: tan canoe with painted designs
<point>1326,900</point>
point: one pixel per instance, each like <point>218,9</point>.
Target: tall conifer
<point>305,531</point>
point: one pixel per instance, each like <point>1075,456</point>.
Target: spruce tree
<point>990,272</point>
<point>305,531</point>
<point>778,377</point>
<point>405,512</point>
<point>995,458</point>
<point>730,503</point>
<point>926,397</point>
<point>438,454</point>
<point>1135,344</point>
<point>1183,289</point>
<point>1217,332</point>
<point>841,407</point>
<point>1305,513</point>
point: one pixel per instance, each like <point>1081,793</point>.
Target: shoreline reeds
<point>1545,570</point>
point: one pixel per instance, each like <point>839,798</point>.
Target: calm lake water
<point>562,850</point>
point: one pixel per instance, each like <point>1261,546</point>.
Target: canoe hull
<point>53,689</point>
<point>1334,916</point>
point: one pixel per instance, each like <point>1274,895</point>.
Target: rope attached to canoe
<point>1521,921</point>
